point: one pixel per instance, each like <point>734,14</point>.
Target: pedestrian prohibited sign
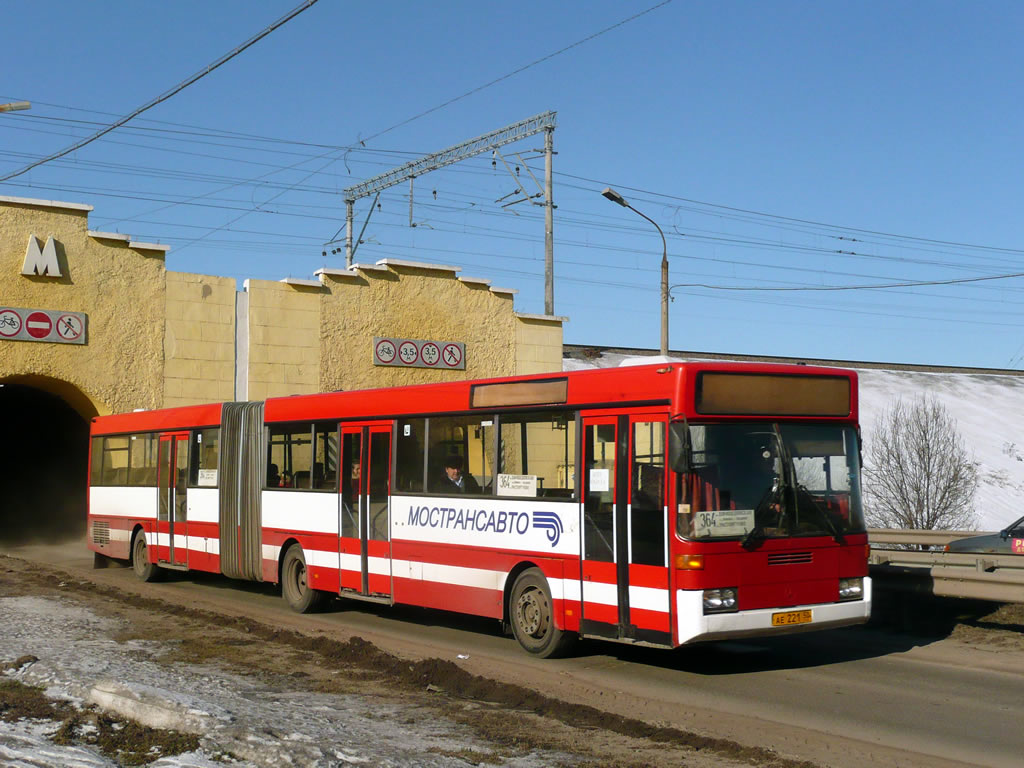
<point>419,353</point>
<point>17,324</point>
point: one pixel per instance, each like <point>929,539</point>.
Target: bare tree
<point>917,471</point>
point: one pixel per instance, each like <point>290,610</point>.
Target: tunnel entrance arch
<point>43,459</point>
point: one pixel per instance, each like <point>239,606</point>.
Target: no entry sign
<point>17,324</point>
<point>38,325</point>
<point>419,353</point>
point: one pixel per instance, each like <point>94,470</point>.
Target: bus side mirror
<point>679,455</point>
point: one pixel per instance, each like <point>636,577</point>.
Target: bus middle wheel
<point>300,597</point>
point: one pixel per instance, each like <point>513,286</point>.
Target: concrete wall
<point>199,340</point>
<point>284,339</point>
<point>538,342</point>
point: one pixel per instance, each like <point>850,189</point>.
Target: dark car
<point>1009,541</point>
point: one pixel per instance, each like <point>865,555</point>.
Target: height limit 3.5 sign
<point>419,353</point>
<point>57,327</point>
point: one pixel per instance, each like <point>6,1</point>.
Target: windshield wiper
<point>754,539</point>
<point>826,514</point>
<point>756,536</point>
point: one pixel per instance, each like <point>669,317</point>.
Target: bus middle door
<point>365,523</point>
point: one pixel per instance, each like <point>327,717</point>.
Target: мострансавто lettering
<point>450,518</point>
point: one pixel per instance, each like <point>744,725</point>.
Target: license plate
<point>791,617</point>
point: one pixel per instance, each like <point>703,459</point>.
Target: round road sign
<point>69,327</point>
<point>10,323</point>
<point>430,354</point>
<point>452,355</point>
<point>385,351</point>
<point>38,325</point>
<point>408,353</point>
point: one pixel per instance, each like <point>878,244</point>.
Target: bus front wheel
<point>145,569</point>
<point>532,615</point>
<point>300,597</point>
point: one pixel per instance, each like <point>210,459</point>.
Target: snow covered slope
<point>989,411</point>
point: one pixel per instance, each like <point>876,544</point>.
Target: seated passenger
<point>455,480</point>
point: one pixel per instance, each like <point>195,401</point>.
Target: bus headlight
<point>720,600</point>
<point>851,589</point>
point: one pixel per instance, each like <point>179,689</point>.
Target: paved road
<point>852,697</point>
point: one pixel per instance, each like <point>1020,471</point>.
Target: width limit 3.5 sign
<point>419,353</point>
<point>18,324</point>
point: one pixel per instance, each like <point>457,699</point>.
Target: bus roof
<point>160,420</point>
<point>666,384</point>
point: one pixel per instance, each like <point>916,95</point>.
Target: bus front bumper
<point>696,626</point>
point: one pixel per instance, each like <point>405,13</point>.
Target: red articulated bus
<point>657,504</point>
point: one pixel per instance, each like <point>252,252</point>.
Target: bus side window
<point>538,451</point>
<point>471,440</point>
<point>325,459</point>
<point>205,457</point>
<point>410,456</point>
<point>290,451</point>
<point>115,461</point>
<point>96,468</point>
<point>142,460</point>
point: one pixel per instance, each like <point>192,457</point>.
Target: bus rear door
<point>625,575</point>
<point>172,481</point>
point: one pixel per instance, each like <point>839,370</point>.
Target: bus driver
<point>455,480</point>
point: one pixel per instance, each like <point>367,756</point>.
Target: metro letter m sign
<point>41,262</point>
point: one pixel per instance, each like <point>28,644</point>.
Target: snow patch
<point>260,722</point>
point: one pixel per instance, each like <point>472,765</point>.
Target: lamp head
<point>615,197</point>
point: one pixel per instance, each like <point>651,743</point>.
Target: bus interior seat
<point>704,488</point>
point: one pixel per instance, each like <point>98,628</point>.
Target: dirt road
<point>945,696</point>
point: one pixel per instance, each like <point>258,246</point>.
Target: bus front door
<point>365,521</point>
<point>625,575</point>
<point>172,482</point>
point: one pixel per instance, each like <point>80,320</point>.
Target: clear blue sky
<point>765,138</point>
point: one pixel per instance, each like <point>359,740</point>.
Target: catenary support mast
<point>544,122</point>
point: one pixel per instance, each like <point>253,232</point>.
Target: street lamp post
<point>15,106</point>
<point>615,197</point>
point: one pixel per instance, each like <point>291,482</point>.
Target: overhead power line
<point>954,281</point>
<point>523,68</point>
<point>167,94</point>
<point>809,222</point>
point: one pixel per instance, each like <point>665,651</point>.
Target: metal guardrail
<point>949,574</point>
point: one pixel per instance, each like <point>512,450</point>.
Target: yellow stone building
<point>93,323</point>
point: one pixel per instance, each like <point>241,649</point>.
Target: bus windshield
<point>756,481</point>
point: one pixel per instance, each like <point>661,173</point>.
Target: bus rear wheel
<point>144,568</point>
<point>532,615</point>
<point>300,597</point>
